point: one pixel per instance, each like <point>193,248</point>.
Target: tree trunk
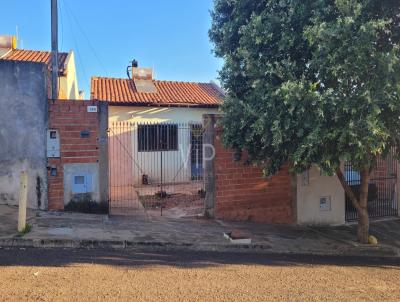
<point>360,202</point>
<point>363,226</point>
<point>363,219</point>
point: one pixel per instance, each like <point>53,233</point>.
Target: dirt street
<point>94,275</point>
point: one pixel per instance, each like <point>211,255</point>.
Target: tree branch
<point>347,189</point>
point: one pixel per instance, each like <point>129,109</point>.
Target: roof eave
<point>146,104</point>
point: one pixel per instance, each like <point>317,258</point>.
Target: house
<point>25,117</point>
<point>155,131</point>
<point>68,82</point>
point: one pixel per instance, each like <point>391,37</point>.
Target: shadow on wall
<point>10,175</point>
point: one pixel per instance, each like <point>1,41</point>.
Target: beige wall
<point>176,164</point>
<point>158,114</point>
<point>68,82</point>
<point>308,199</point>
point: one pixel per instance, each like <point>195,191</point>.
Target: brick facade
<point>384,176</point>
<point>70,118</point>
<point>243,194</point>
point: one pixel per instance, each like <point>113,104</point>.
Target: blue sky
<point>169,35</point>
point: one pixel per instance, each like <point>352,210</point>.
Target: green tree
<point>311,82</point>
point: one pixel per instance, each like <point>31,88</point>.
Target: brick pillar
<point>293,185</point>
<point>209,154</point>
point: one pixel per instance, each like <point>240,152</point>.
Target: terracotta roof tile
<point>35,56</point>
<point>123,92</point>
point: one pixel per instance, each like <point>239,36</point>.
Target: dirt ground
<point>177,205</point>
<point>65,275</point>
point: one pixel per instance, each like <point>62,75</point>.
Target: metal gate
<point>154,166</point>
<point>382,188</point>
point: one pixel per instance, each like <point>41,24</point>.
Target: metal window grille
<point>157,137</point>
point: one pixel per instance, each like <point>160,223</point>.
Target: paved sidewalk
<point>151,231</point>
<point>9,220</point>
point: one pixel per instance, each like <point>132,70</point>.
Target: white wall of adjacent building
<point>68,82</point>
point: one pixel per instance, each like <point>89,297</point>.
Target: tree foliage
<point>310,81</point>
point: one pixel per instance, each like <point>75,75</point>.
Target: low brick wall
<point>243,194</point>
<point>70,118</point>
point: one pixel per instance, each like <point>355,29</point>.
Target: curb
<point>361,251</point>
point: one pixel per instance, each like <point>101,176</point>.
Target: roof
<point>169,93</point>
<point>35,56</point>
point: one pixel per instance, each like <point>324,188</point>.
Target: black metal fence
<point>154,165</point>
<point>382,188</point>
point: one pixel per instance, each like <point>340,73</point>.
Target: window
<point>79,180</point>
<point>82,183</point>
<point>157,138</point>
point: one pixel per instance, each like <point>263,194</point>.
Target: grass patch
<point>26,230</point>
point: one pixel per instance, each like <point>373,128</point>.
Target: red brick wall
<point>70,118</point>
<point>384,175</point>
<point>243,194</point>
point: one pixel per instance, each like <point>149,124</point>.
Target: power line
<point>86,37</point>
<point>76,45</point>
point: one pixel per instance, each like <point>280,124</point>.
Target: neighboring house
<point>157,125</point>
<point>23,125</point>
<point>25,117</point>
<point>68,83</point>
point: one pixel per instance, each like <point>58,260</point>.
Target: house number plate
<point>91,108</point>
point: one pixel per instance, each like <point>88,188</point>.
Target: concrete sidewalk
<point>153,232</point>
<point>9,220</point>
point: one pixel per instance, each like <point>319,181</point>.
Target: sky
<point>171,36</point>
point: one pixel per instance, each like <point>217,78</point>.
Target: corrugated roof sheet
<point>35,56</point>
<point>123,92</point>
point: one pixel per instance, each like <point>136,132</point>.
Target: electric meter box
<point>53,143</point>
